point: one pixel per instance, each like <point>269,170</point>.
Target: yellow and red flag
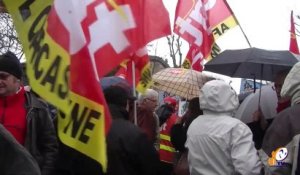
<point>139,65</point>
<point>293,40</point>
<point>200,23</point>
<point>70,45</point>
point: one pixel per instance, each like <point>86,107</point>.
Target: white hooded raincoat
<point>219,144</point>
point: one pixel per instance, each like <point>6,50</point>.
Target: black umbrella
<point>251,63</point>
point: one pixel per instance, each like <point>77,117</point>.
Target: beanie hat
<point>10,63</point>
<point>117,95</point>
<point>108,82</point>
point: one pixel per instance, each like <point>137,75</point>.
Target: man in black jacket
<point>26,117</point>
<point>129,151</point>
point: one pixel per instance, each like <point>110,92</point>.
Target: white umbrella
<point>268,104</point>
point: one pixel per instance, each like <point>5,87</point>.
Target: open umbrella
<point>251,63</point>
<point>183,82</point>
<point>268,104</point>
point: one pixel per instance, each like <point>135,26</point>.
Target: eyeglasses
<point>153,101</point>
<point>4,76</point>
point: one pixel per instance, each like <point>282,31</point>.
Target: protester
<point>15,159</point>
<point>179,129</point>
<point>167,118</point>
<point>165,110</point>
<point>146,119</point>
<point>286,124</point>
<point>218,143</point>
<point>24,116</point>
<point>260,124</point>
<point>178,135</point>
<point>128,149</point>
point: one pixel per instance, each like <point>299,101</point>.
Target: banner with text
<point>200,23</point>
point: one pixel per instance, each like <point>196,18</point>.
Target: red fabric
<point>195,22</point>
<point>293,41</point>
<point>141,60</point>
<point>167,156</point>
<point>171,101</point>
<point>147,122</point>
<point>195,59</point>
<point>13,115</point>
<point>134,24</point>
<point>283,105</point>
<point>100,35</point>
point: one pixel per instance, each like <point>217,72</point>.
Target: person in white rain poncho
<point>218,143</point>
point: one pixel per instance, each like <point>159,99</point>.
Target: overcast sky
<point>266,24</point>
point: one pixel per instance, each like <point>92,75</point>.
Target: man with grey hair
<point>146,119</point>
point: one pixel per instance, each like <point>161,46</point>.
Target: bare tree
<point>9,40</point>
<point>175,51</point>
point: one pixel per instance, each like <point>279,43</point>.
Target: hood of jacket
<point>217,96</point>
<point>291,85</point>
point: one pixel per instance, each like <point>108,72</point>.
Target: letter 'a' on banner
<point>69,84</point>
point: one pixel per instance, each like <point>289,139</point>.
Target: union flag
<point>123,26</point>
<point>70,45</point>
<point>137,68</point>
<point>200,23</point>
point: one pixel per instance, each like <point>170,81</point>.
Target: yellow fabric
<point>166,148</point>
<point>165,137</point>
<point>81,125</point>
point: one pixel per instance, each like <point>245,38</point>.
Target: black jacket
<point>72,162</point>
<point>14,159</point>
<point>128,150</point>
<point>41,139</point>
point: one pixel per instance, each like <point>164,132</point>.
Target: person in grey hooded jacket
<point>217,142</point>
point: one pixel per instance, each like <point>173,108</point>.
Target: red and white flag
<point>200,23</point>
<point>293,40</point>
<point>70,45</point>
<point>194,59</point>
<point>99,35</point>
<point>107,31</point>
<point>139,65</point>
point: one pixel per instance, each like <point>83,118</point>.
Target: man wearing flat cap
<point>24,116</point>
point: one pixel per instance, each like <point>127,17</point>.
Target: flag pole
<point>226,3</point>
<point>134,93</point>
<point>293,38</point>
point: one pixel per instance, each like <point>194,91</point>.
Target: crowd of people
<point>207,139</point>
